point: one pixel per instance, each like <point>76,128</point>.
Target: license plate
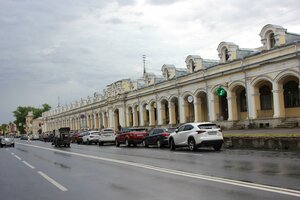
<point>212,133</point>
<point>140,135</point>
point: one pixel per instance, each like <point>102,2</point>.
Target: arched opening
<point>223,107</point>
<point>239,103</point>
<point>153,114</point>
<point>263,99</point>
<point>146,114</point>
<point>272,40</point>
<point>165,112</point>
<point>106,124</point>
<point>201,107</point>
<point>266,99</point>
<point>291,94</point>
<point>289,100</point>
<point>192,65</point>
<point>97,121</point>
<point>136,121</point>
<point>130,117</point>
<point>189,108</point>
<point>117,125</point>
<point>174,114</point>
<point>225,54</point>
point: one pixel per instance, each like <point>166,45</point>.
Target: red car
<point>129,136</point>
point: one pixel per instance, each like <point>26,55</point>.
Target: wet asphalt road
<point>36,170</point>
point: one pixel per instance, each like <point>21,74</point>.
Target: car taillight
<point>200,131</point>
<point>165,134</point>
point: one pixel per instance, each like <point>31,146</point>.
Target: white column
<point>278,101</point>
<point>211,105</point>
<point>181,109</point>
<point>142,123</point>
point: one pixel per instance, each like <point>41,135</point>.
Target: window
<point>181,128</point>
<point>226,54</point>
<point>272,40</point>
<point>265,98</point>
<point>243,101</point>
<point>291,94</point>
<point>188,127</point>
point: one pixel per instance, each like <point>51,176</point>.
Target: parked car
<point>195,135</point>
<point>75,137</point>
<point>79,137</point>
<point>24,137</point>
<point>91,137</point>
<point>130,136</point>
<point>7,142</point>
<point>107,135</point>
<point>157,136</point>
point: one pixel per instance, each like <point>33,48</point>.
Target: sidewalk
<point>271,132</point>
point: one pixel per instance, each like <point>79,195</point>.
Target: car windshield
<point>207,126</point>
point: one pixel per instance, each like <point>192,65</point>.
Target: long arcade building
<point>245,88</point>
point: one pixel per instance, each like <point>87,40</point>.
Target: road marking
<point>244,184</point>
<point>194,154</point>
<point>29,165</point>
<point>18,157</point>
<point>12,154</point>
<point>59,186</point>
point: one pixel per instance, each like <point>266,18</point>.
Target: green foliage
<point>22,112</point>
<point>3,128</point>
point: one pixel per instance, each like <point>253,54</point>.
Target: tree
<point>22,112</point>
<point>3,128</point>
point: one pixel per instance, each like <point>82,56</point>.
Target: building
<point>244,88</point>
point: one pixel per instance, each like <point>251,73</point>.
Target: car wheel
<point>217,147</point>
<point>87,142</point>
<point>159,145</point>
<point>100,143</point>
<point>172,145</point>
<point>192,144</point>
<point>117,143</point>
<point>127,142</point>
<point>145,144</point>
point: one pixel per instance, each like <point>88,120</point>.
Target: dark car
<point>131,136</point>
<point>75,137</point>
<point>79,139</point>
<point>7,142</point>
<point>157,136</point>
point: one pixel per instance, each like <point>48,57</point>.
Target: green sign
<point>221,92</point>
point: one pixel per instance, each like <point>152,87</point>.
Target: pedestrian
<point>28,139</point>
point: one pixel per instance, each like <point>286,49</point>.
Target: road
<point>36,170</point>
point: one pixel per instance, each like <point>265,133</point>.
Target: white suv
<point>195,135</point>
<point>91,137</point>
<point>107,135</point>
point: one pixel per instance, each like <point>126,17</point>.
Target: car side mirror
<point>176,130</point>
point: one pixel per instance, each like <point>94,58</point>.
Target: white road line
<point>29,165</point>
<point>12,154</point>
<point>18,157</point>
<point>244,184</point>
<point>194,154</point>
<point>59,186</point>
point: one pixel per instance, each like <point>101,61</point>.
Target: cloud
<point>73,48</point>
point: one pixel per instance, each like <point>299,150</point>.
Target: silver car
<point>107,135</point>
<point>7,142</point>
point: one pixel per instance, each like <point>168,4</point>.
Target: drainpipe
<point>247,92</point>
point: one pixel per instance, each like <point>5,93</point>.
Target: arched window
<point>225,54</point>
<point>265,98</point>
<point>243,101</point>
<point>291,94</point>
<point>192,65</point>
<point>272,40</point>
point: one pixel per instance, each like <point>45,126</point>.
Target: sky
<point>69,49</point>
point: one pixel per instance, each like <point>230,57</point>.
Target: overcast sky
<point>73,48</point>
